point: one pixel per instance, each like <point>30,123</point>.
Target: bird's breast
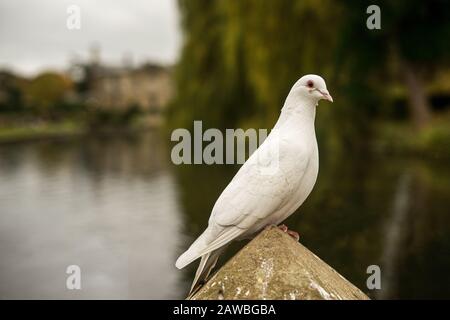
<point>301,178</point>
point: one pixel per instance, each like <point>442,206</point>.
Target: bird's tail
<point>193,253</point>
<point>207,263</point>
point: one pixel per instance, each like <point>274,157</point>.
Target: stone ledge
<point>273,266</point>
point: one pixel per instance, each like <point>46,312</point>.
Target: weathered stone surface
<point>274,266</point>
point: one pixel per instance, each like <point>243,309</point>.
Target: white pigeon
<point>275,180</point>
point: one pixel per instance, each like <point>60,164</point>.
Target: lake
<point>117,208</point>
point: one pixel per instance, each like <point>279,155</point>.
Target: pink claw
<point>292,233</point>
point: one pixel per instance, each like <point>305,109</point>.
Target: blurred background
<point>86,116</point>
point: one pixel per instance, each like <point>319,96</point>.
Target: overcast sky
<point>34,35</point>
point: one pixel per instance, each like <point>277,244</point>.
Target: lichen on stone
<point>274,266</point>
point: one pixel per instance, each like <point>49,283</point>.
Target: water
<point>117,208</point>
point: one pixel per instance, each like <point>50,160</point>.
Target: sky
<point>34,35</point>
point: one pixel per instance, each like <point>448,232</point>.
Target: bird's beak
<point>326,95</point>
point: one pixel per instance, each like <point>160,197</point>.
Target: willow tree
<point>240,58</point>
<point>420,32</point>
<point>207,89</point>
<point>411,45</point>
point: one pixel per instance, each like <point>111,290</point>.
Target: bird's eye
<point>310,84</point>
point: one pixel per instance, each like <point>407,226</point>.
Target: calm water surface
<point>117,208</point>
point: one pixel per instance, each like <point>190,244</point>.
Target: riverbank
<point>400,138</point>
<point>397,138</point>
<point>18,133</point>
<point>23,132</point>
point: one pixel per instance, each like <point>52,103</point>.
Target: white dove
<point>275,180</point>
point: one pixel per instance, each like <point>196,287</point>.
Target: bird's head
<point>312,87</point>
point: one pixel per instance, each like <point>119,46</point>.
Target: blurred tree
<point>240,58</point>
<point>46,92</point>
<point>411,45</point>
<point>206,88</point>
<point>11,95</point>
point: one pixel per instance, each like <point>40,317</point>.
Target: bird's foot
<point>292,233</point>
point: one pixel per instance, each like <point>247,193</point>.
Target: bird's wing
<point>260,188</point>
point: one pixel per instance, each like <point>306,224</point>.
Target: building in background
<point>148,87</point>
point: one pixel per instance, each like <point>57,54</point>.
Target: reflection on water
<point>108,206</point>
<point>117,208</point>
<point>395,231</point>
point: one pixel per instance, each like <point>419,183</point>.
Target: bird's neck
<point>299,111</point>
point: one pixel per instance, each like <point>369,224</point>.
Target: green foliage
<point>11,93</point>
<point>43,105</point>
<point>420,28</point>
<point>400,138</point>
<point>106,119</point>
<point>240,59</point>
<point>234,66</point>
<point>46,92</point>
